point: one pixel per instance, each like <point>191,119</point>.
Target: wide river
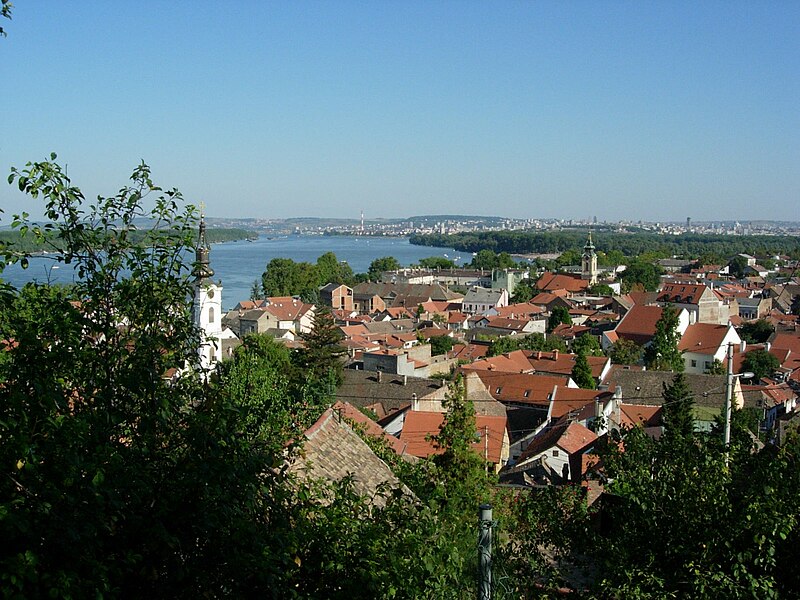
<point>238,264</point>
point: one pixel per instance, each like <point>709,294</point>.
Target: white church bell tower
<point>207,305</point>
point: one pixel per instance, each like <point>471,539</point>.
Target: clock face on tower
<point>210,292</point>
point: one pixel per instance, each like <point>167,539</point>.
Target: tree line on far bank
<point>27,242</point>
<point>712,248</point>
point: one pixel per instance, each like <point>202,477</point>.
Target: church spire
<point>589,247</point>
<point>203,270</point>
<point>589,261</point>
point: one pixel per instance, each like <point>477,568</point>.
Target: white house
<point>703,343</point>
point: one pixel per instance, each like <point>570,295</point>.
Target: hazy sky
<point>624,110</point>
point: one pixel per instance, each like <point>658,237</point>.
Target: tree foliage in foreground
<point>118,482</point>
<point>685,524</point>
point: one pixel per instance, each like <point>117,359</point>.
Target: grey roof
<point>361,389</point>
<point>647,387</point>
<point>333,451</point>
<point>416,290</point>
<point>483,295</point>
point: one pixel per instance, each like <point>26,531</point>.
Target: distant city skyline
<point>531,110</point>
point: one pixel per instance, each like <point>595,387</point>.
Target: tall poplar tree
<point>663,354</point>
<point>582,373</point>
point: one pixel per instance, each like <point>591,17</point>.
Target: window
<point>555,453</point>
<point>526,394</point>
<point>694,363</point>
<point>211,315</point>
<point>497,391</point>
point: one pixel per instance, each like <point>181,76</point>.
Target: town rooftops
<point>679,293</point>
<point>419,427</point>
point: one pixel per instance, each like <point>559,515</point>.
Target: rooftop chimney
<point>379,376</point>
<point>555,354</point>
<point>742,346</point>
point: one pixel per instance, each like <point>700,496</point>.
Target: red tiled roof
<point>570,437</point>
<point>680,293</point>
<point>639,323</point>
<point>523,309</point>
<point>419,426</point>
<point>507,323</point>
<point>703,338</point>
<point>529,361</point>
<point>571,400</point>
<point>560,281</point>
<point>521,387</point>
<point>639,414</point>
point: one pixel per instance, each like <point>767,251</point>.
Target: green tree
<point>582,373</point>
<point>756,332</point>
<point>601,289</point>
<point>761,363</point>
<point>379,265</point>
<point>524,291</point>
<point>5,12</point>
<point>285,277</point>
<point>321,356</point>
<point>558,315</point>
<point>587,344</point>
<point>737,266</point>
<point>645,274</point>
<point>465,483</point>
<point>488,259</point>
<point>99,450</point>
<point>331,270</point>
<point>437,262</point>
<point>717,368</point>
<point>533,341</point>
<point>678,417</point>
<point>735,540</point>
<point>256,291</point>
<point>625,352</point>
<point>441,344</point>
<point>663,354</point>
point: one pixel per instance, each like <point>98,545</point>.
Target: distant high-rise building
<point>688,222</point>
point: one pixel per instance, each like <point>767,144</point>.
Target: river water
<point>238,264</point>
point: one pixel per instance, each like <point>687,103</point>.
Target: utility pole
<point>728,401</point>
<point>485,525</point>
<point>486,448</point>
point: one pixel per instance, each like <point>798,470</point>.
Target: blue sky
<point>623,110</point>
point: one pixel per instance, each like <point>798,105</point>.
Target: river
<point>238,264</point>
